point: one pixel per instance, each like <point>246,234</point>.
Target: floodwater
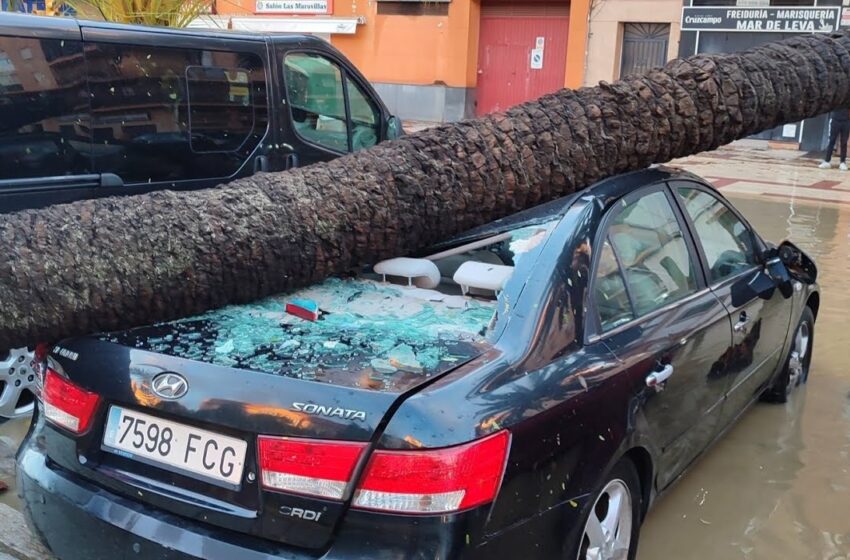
<point>777,485</point>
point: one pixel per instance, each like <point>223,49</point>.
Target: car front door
<point>656,314</point>
<point>760,314</point>
<point>325,112</point>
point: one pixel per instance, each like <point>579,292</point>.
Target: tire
<point>621,483</point>
<point>795,371</point>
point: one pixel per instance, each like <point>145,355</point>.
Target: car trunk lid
<point>255,371</point>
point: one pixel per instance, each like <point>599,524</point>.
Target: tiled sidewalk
<point>743,169</point>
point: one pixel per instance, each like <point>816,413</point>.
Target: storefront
<point>712,26</point>
<point>436,60</point>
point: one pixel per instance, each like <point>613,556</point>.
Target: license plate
<point>173,446</point>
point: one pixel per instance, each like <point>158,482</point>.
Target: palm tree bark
<point>117,262</point>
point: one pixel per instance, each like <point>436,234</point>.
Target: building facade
<point>438,60</point>
<point>630,36</point>
<point>718,26</point>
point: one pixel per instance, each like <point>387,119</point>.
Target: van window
<point>166,114</point>
<point>314,87</point>
<point>221,113</point>
<point>365,118</point>
<point>44,108</point>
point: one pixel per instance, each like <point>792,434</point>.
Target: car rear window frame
<point>592,328</point>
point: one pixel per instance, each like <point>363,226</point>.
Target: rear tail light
<point>67,405</point>
<point>434,481</point>
<point>312,467</point>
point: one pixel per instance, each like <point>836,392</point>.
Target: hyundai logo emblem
<point>170,386</point>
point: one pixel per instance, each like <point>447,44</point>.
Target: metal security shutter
<point>644,47</point>
<point>522,52</point>
<point>525,9</point>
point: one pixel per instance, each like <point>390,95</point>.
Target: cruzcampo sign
<point>294,7</point>
<point>794,19</point>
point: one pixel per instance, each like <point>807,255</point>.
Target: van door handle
<point>656,378</point>
<point>741,325</point>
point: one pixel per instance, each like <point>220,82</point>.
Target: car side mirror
<point>394,128</point>
<point>759,285</point>
<point>799,265</point>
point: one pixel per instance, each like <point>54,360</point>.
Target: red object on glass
<point>434,480</point>
<point>66,404</point>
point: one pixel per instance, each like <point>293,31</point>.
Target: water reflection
<point>777,486</point>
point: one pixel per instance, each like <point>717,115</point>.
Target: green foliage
<point>167,13</point>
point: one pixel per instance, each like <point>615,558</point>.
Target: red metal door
<point>510,35</point>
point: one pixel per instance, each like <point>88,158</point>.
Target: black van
<point>90,109</point>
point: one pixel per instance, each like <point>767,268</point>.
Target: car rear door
<point>656,314</point>
<point>760,315</point>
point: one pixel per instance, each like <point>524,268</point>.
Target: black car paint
<point>575,402</point>
<point>281,148</point>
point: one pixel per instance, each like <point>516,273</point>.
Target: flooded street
<point>777,486</point>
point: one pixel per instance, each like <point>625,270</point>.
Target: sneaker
<point>825,165</point>
<point>843,166</point>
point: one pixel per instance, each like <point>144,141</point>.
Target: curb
<point>16,541</point>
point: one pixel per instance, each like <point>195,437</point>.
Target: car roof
<point>624,183</point>
<point>33,24</point>
<point>608,189</point>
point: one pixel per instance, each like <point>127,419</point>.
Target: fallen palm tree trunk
<point>118,262</point>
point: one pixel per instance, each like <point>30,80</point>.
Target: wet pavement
<point>777,486</point>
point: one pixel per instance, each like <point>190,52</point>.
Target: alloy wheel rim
<point>608,531</point>
<point>17,377</point>
<point>797,364</point>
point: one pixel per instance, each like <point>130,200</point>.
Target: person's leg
<point>833,137</point>
<point>844,137</point>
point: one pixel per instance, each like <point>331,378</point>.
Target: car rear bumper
<point>77,520</point>
<point>80,520</point>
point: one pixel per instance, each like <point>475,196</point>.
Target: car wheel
<point>17,383</point>
<point>796,369</point>
<point>612,524</point>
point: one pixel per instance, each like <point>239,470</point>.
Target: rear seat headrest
<point>421,272</point>
<point>482,276</point>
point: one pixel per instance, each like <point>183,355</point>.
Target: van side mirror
<point>394,128</point>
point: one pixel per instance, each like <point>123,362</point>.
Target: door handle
<point>656,378</point>
<point>741,325</point>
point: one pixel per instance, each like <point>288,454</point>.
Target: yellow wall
<point>605,39</point>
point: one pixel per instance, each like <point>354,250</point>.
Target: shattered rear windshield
<point>363,332</point>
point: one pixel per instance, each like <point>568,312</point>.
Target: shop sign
<point>845,17</point>
<point>294,7</point>
<point>795,19</point>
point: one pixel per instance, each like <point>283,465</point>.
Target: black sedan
<point>526,389</point>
